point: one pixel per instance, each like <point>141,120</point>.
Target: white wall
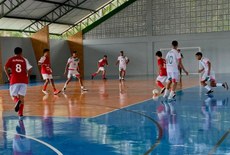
<point>135,51</point>
<point>141,51</point>
<point>59,53</point>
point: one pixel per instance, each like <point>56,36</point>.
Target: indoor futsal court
<point>148,77</point>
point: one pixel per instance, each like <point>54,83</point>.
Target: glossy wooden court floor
<point>117,118</point>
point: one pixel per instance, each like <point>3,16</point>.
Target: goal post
<point>182,48</point>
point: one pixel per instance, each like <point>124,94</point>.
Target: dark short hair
<point>105,56</point>
<point>18,50</point>
<point>46,50</point>
<point>199,54</point>
<point>121,51</point>
<point>159,53</point>
<point>75,52</point>
<point>174,43</point>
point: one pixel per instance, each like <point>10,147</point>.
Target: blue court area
<point>192,124</point>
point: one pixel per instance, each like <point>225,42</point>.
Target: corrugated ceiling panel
<point>77,14</point>
<point>32,9</point>
<point>8,23</point>
<point>57,28</point>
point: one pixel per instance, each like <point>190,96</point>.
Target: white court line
<point>39,141</point>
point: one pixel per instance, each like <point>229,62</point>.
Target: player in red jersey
<point>47,72</point>
<point>19,68</point>
<point>101,67</point>
<point>72,68</point>
<point>162,77</point>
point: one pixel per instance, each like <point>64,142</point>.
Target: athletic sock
<point>16,99</point>
<point>20,112</point>
<point>172,93</point>
<point>166,92</point>
<point>160,84</point>
<point>219,84</point>
<point>44,87</point>
<point>65,85</point>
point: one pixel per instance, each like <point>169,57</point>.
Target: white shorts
<point>205,76</point>
<point>18,89</point>
<point>162,78</point>
<point>73,73</point>
<point>47,76</point>
<point>173,76</point>
<point>122,68</point>
<point>101,69</point>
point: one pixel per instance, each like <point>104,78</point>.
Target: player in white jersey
<point>173,60</point>
<point>72,67</point>
<point>207,74</point>
<point>122,61</point>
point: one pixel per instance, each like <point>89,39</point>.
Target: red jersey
<point>102,63</point>
<point>45,65</point>
<point>19,67</point>
<point>162,67</point>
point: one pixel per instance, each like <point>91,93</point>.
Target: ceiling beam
<point>20,31</point>
<point>36,19</point>
<point>8,6</point>
<point>53,15</point>
<point>58,3</point>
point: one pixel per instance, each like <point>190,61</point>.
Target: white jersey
<point>122,60</point>
<point>172,59</point>
<point>73,63</point>
<point>203,64</point>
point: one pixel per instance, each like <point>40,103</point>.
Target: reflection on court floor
<point>191,124</point>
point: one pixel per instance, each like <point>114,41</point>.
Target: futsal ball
<point>155,93</point>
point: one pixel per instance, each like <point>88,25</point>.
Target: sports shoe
<point>172,96</point>
<point>92,77</point>
<point>84,89</point>
<point>209,92</point>
<point>45,92</point>
<point>166,93</point>
<point>63,89</point>
<point>104,78</point>
<point>162,90</point>
<point>225,85</point>
<point>17,105</point>
<point>56,92</point>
